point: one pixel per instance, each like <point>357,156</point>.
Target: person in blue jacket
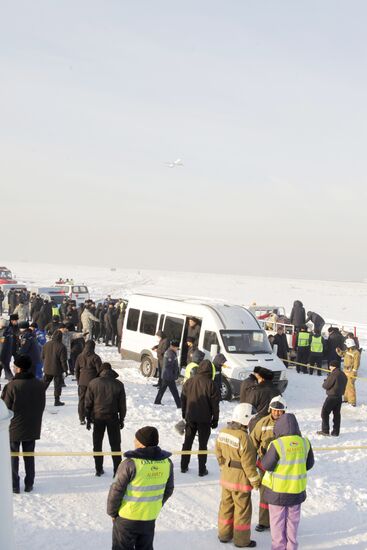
<point>41,339</point>
<point>29,345</point>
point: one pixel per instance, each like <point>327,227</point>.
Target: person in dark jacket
<point>28,345</point>
<point>317,346</point>
<point>25,396</point>
<point>160,350</point>
<point>105,407</point>
<point>334,341</point>
<point>262,394</point>
<point>316,319</point>
<point>55,324</point>
<point>280,339</point>
<point>87,367</point>
<point>298,315</point>
<point>5,350</point>
<point>200,410</point>
<point>111,325</point>
<point>335,385</point>
<point>219,361</point>
<point>303,349</point>
<point>2,296</point>
<point>133,515</point>
<point>286,462</point>
<point>10,345</point>
<point>193,330</point>
<point>247,389</point>
<point>170,373</point>
<point>191,348</point>
<point>55,364</point>
<point>45,315</point>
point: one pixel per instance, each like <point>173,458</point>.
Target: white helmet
<point>350,343</point>
<point>278,403</point>
<point>242,413</point>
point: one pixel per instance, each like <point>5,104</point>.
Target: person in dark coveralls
<point>160,350</point>
<point>200,409</point>
<point>105,407</point>
<point>55,365</point>
<point>334,385</point>
<point>193,330</point>
<point>143,484</point>
<point>88,365</point>
<point>170,373</point>
<point>316,319</point>
<point>25,396</point>
<point>262,394</point>
<point>298,315</point>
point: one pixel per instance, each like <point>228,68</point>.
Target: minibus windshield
<point>246,341</point>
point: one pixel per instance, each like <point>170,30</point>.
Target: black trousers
<point>27,447</point>
<point>203,431</point>
<point>58,382</point>
<point>132,535</point>
<point>315,359</point>
<point>173,389</point>
<point>302,357</point>
<point>82,390</point>
<point>114,437</point>
<point>331,405</point>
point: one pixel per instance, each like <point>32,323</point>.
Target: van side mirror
<point>213,350</point>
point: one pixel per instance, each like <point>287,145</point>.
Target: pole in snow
<point>6,500</point>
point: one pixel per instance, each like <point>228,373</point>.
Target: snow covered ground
<point>67,507</point>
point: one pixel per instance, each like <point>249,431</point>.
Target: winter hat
<point>198,356</point>
<point>190,339</point>
<point>350,343</point>
<point>278,403</point>
<point>104,366</point>
<point>23,325</point>
<point>264,373</point>
<point>335,364</point>
<point>242,413</point>
<point>14,317</point>
<point>148,436</point>
<point>23,362</point>
<point>175,343</point>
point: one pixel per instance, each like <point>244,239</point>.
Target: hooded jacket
<point>54,356</point>
<point>285,425</point>
<point>126,473</point>
<point>200,397</point>
<point>88,364</point>
<point>25,396</point>
<point>316,319</point>
<point>105,397</point>
<point>298,314</point>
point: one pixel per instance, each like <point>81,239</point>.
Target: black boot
<point>58,403</point>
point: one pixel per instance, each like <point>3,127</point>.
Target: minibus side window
<point>133,319</point>
<point>173,328</point>
<point>210,338</point>
<point>148,323</point>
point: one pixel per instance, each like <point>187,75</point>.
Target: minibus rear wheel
<point>225,390</point>
<point>146,366</point>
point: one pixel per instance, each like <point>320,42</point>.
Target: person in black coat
<point>160,350</point>
<point>55,364</point>
<point>87,367</point>
<point>298,315</point>
<point>45,315</point>
<point>218,362</point>
<point>335,340</point>
<point>280,339</point>
<point>170,373</point>
<point>29,345</point>
<point>25,396</point>
<point>262,394</point>
<point>2,296</point>
<point>105,407</point>
<point>334,385</point>
<point>10,345</point>
<point>247,389</point>
<point>316,319</point>
<point>200,410</point>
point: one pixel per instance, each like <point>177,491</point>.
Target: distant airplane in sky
<point>177,162</point>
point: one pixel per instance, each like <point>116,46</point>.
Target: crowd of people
<point>260,448</point>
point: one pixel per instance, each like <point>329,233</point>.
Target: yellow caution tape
<point>293,364</point>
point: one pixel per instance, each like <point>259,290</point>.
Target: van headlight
<point>242,375</point>
<point>283,375</point>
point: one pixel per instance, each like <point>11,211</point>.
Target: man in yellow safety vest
<point>286,463</point>
<point>142,485</point>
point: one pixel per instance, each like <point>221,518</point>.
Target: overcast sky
<point>264,101</point>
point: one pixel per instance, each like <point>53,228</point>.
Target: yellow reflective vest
<point>142,500</point>
<point>316,344</point>
<point>303,340</point>
<point>290,474</point>
<point>55,311</point>
<point>191,366</point>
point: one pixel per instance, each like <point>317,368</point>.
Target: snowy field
<point>67,506</point>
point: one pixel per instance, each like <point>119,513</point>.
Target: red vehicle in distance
<point>6,277</point>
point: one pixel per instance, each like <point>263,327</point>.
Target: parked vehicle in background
<point>77,292</point>
<point>6,276</point>
<point>270,317</point>
<point>5,288</point>
<point>226,328</point>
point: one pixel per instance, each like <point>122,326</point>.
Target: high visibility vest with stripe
<point>143,497</point>
<point>303,339</point>
<point>290,474</point>
<point>190,366</point>
<point>316,344</point>
<point>55,311</point>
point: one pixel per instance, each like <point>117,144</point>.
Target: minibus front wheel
<point>146,366</point>
<point>225,390</point>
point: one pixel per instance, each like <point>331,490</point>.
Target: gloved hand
<point>121,424</point>
<point>88,425</point>
<point>214,424</point>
